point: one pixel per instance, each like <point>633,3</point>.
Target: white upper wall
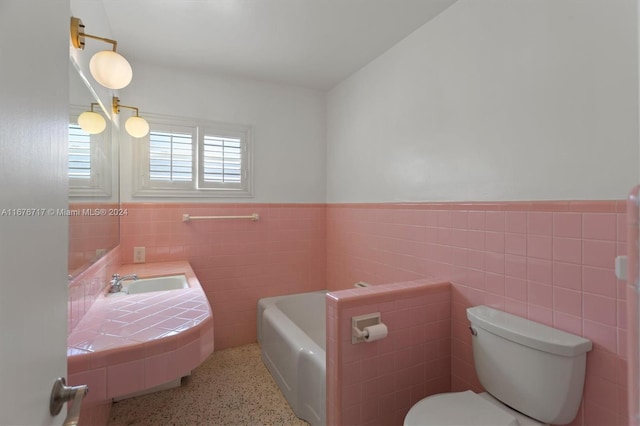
<point>289,126</point>
<point>493,100</point>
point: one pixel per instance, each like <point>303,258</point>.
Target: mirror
<point>94,226</point>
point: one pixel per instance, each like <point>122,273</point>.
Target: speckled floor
<point>232,387</point>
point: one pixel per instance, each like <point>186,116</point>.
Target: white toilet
<point>533,375</point>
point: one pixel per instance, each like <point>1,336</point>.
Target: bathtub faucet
<point>116,282</point>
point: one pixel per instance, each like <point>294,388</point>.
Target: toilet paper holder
<point>360,323</point>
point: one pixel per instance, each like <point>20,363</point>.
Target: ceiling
<point>310,43</point>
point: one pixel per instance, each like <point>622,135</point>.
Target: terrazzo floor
<point>232,387</point>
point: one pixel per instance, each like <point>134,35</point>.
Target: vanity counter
<point>129,343</point>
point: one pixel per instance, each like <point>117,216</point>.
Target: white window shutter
<point>79,153</point>
<point>193,158</point>
<point>170,156</point>
<point>222,160</point>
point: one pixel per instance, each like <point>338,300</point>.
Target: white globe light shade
<point>91,122</point>
<point>111,69</point>
<point>137,126</point>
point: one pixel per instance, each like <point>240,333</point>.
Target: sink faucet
<point>116,282</point>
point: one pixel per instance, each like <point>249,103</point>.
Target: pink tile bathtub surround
<point>237,261</point>
<point>126,344</point>
<point>551,262</point>
<point>377,382</point>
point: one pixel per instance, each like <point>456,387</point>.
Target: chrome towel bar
<point>188,218</point>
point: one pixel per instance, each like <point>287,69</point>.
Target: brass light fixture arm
<point>78,35</point>
<point>115,104</point>
<point>106,40</point>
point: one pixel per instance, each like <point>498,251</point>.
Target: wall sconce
<point>108,67</point>
<point>92,122</point>
<point>136,126</point>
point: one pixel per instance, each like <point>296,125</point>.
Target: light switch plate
<point>138,254</point>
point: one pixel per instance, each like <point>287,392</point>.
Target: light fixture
<point>136,126</point>
<point>92,122</point>
<point>108,67</point>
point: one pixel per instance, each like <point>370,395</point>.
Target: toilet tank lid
<point>527,332</point>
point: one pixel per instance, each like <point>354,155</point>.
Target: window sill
<point>200,193</point>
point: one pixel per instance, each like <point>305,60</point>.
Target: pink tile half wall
<point>376,383</point>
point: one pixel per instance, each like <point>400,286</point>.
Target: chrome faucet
<point>116,282</point>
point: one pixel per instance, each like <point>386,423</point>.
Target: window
<point>170,157</point>
<point>89,160</point>
<point>181,158</point>
<point>221,162</point>
<point>79,153</point>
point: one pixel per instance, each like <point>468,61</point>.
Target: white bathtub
<point>292,336</point>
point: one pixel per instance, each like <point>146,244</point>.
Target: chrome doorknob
<point>61,394</point>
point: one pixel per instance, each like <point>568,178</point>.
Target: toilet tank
<point>530,367</point>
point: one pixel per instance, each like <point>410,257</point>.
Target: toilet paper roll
<point>375,332</point>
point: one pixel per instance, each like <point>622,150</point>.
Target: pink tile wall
<point>633,311</point>
<point>236,261</point>
<point>547,261</point>
<point>83,291</point>
<point>377,383</point>
<point>84,288</point>
<point>88,233</point>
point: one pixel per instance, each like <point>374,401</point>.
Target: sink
<point>146,285</point>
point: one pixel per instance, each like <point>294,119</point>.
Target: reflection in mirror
<point>93,182</point>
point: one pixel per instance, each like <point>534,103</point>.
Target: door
<point>34,52</point>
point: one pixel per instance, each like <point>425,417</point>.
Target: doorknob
<point>61,394</point>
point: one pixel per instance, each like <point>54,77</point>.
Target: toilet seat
<point>463,408</point>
